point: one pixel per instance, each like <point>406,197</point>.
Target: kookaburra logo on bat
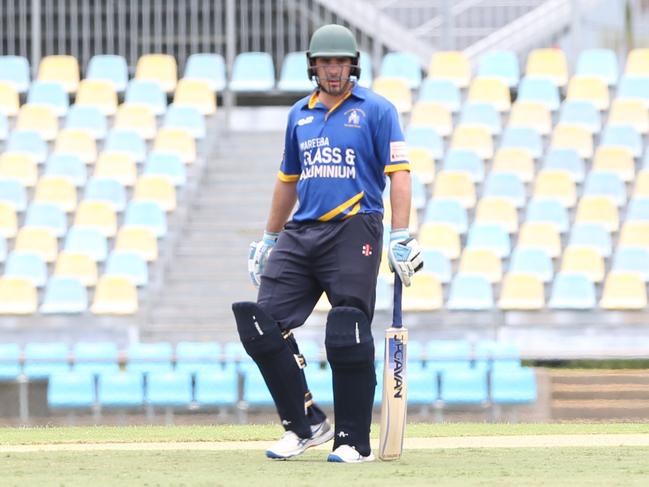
<point>397,357</point>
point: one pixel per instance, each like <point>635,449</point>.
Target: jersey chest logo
<point>354,117</point>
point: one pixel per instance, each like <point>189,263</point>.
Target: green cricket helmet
<point>333,41</point>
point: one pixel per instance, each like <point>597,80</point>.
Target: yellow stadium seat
<point>396,90</point>
<point>423,294</point>
<point>637,62</point>
<point>483,262</point>
<point>634,234</point>
<point>497,210</point>
<point>139,240</point>
<point>549,63</point>
<point>20,166</point>
<point>159,68</point>
<point>630,112</point>
<point>77,142</point>
<point>540,235</point>
<point>491,91</point>
<point>8,220</point>
<point>97,214</point>
<point>413,222</point>
<point>558,184</point>
<point>588,88</point>
<point>615,159</point>
<point>98,93</point>
<point>137,118</point>
<point>56,190</point>
<point>176,141</point>
<point>9,100</point>
<point>18,296</point>
<point>641,189</point>
<point>116,165</point>
<point>624,291</point>
<point>583,260</point>
<point>60,69</point>
<point>38,118</point>
<point>115,295</point>
<point>531,114</point>
<point>422,164</point>
<point>157,189</point>
<point>450,65</point>
<point>455,185</point>
<point>441,237</point>
<point>566,136</point>
<point>598,209</point>
<point>39,241</point>
<point>521,292</point>
<point>432,114</point>
<point>78,266</point>
<point>195,93</point>
<point>514,160</point>
<point>475,138</point>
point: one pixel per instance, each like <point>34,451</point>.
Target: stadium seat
<point>198,357</point>
<point>43,359</point>
<point>425,138</point>
<point>607,184</point>
<point>186,118</point>
<point>532,261</point>
<point>8,221</point>
<point>634,233</point>
<point>396,90</point>
<point>441,237</point>
<point>28,141</point>
<point>156,189</point>
<point>548,210</point>
<point>489,237</point>
<point>630,112</point>
<point>531,114</point>
<point>89,119</point>
<point>217,388</point>
<point>492,354</point>
<point>582,113</point>
<point>437,264</point>
<point>13,193</point>
<point>513,385</point>
<point>568,136</point>
<point>367,71</point>
<point>641,188</point>
<point>505,185</point>
<point>252,71</point>
<point>444,355</point>
<point>540,235</point>
<point>539,90</point>
<point>638,210</point>
<point>111,68</point>
<point>97,94</point>
<point>470,293</point>
<point>95,357</point>
<point>17,296</point>
<point>623,136</point>
<point>38,118</point>
<point>419,196</point>
<point>624,291</point>
<point>586,88</point>
<point>19,166</point>
<point>114,296</point>
<point>158,68</point>
<point>549,64</point>
<point>319,381</point>
<point>98,215</point>
<point>10,367</point>
<point>473,138</point>
<point>585,260</point>
<point>423,294</point>
<point>632,259</point>
<point>448,211</point>
<point>28,266</point>
<point>634,88</point>
<point>14,71</point>
<point>422,386</point>
<point>40,241</point>
<point>523,138</point>
<point>116,166</point>
<point>64,295</point>
<point>87,240</point>
<point>255,390</point>
<point>140,240</point>
<point>441,91</point>
<point>71,390</point>
<point>129,265</point>
<point>502,65</point>
<point>598,63</point>
<point>4,126</point>
<point>48,216</point>
<point>497,210</point>
<point>136,118</point>
<point>481,114</point>
<point>58,191</point>
<point>384,294</point>
<point>148,214</point>
<point>616,160</point>
<point>146,93</point>
<point>207,67</point>
<point>451,66</point>
<point>637,63</point>
<point>422,164</point>
<point>464,160</point>
<point>432,114</point>
<point>197,94</point>
<point>61,69</point>
<point>49,94</point>
<point>572,291</point>
<point>76,142</point>
<point>120,390</point>
<point>455,185</point>
<point>401,65</point>
<point>522,292</point>
<point>76,266</point>
<point>490,91</point>
<point>176,141</point>
<point>9,100</point>
<point>169,389</point>
<point>556,184</point>
<point>481,262</point>
<point>464,386</point>
<point>170,166</point>
<point>566,160</point>
<point>128,142</point>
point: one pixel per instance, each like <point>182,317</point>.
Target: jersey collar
<point>356,92</point>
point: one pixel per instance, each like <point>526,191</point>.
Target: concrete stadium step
<point>597,392</point>
<point>602,410</point>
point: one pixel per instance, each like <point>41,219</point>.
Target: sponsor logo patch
<point>366,250</point>
<point>353,117</point>
<point>305,120</point>
<point>398,151</point>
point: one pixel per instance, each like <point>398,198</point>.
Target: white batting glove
<point>404,255</point>
<point>259,251</point>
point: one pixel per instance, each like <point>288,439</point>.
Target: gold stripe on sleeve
<point>287,178</point>
<point>404,166</point>
<point>342,207</point>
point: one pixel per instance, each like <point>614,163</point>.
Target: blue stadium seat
<point>567,160</point>
<point>15,71</point>
<point>444,92</point>
<point>634,88</point>
<point>166,164</point>
<point>598,63</point>
<point>427,138</point>
<point>507,185</point>
<point>465,160</point>
<point>209,67</point>
<point>44,359</point>
<point>234,352</point>
<point>198,357</point>
<point>582,113</point>
<point>293,75</point>
<point>422,386</point>
<point>68,166</point>
<point>548,210</point>
<point>502,65</point>
<point>320,383</point>
<point>109,67</point>
<point>49,94</point>
<point>367,71</point>
<point>532,261</point>
<point>638,209</point>
<point>252,71</point>
<point>493,354</point>
<point>86,240</point>
<point>169,389</point>
<point>27,266</point>
<point>572,291</point>
<point>108,190</point>
<point>64,295</point>
<point>470,292</point>
<point>47,215</point>
<point>95,357</point>
<point>185,117</point>
<point>539,90</point>
<point>149,357</point>
<point>490,237</point>
<point>632,259</point>
<point>130,265</point>
<point>147,93</point>
<point>127,141</point>
<point>513,385</point>
<point>591,235</point>
<point>9,361</point>
<point>311,349</point>
<point>604,183</point>
<point>402,65</point>
<point>437,263</point>
<point>464,386</point>
<point>29,142</point>
<point>146,214</point>
<point>217,387</point>
<point>482,114</point>
<point>88,118</point>
<point>448,354</point>
<point>447,211</point>
<point>383,294</point>
<point>524,138</point>
<point>121,390</point>
<point>624,136</point>
<point>71,390</point>
<point>255,391</point>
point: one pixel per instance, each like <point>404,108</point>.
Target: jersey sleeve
<point>391,143</point>
<point>290,169</point>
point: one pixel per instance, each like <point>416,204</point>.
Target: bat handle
<point>396,310</point>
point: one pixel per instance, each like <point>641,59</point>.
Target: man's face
<point>333,73</point>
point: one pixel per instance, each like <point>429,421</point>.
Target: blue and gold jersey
<point>339,157</point>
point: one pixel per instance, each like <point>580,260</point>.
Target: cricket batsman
<point>341,141</point>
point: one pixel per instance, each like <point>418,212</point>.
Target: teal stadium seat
<point>532,261</point>
<point>169,389</point>
<point>438,264</point>
<point>149,357</point>
<point>506,185</point>
<point>9,361</point>
<point>64,295</point>
<point>401,65</point>
<point>208,67</point>
<point>591,235</point>
<point>367,72</point>
<point>604,183</point>
<point>623,136</point>
<point>216,388</point>
<point>166,164</point>
<point>582,113</point>
<point>482,114</point>
<point>49,94</point>
<point>45,359</point>
<point>111,68</point>
<point>293,75</point>
<point>87,118</point>
<point>632,259</point>
<point>502,65</point>
<point>108,190</point>
<point>255,390</point>
<point>26,266</point>
<point>14,193</point>
<point>422,386</point>
<point>71,390</point>
<point>464,386</point>
<point>68,166</point>
<point>234,352</point>
<point>87,240</point>
<point>198,357</point>
<point>120,390</point>
<point>187,118</point>
<point>426,138</point>
<point>383,294</point>
<point>573,292</point>
<point>447,211</point>
<point>524,138</point>
<point>146,214</point>
<point>634,88</point>
<point>95,357</point>
<point>465,160</point>
<point>548,210</point>
<point>598,63</point>
<point>539,90</point>
<point>252,72</point>
<point>130,265</point>
<point>567,160</point>
<point>513,385</point>
<point>638,210</point>
<point>470,292</point>
<point>448,354</point>
<point>493,354</point>
<point>320,383</point>
<point>29,142</point>
<point>126,141</point>
<point>15,71</point>
<point>47,215</point>
<point>444,92</point>
<point>147,93</point>
<point>419,196</point>
<point>489,237</point>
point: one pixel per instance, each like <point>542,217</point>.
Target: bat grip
<point>396,310</point>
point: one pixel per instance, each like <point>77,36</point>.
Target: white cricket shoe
<point>291,445</point>
<point>348,454</point>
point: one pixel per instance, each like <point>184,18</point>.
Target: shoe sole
<point>336,459</point>
<point>328,436</point>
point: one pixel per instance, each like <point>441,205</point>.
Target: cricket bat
<point>394,404</point>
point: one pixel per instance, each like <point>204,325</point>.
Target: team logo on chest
<point>353,117</point>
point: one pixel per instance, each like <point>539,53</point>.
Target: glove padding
<point>259,251</point>
<point>404,256</point>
